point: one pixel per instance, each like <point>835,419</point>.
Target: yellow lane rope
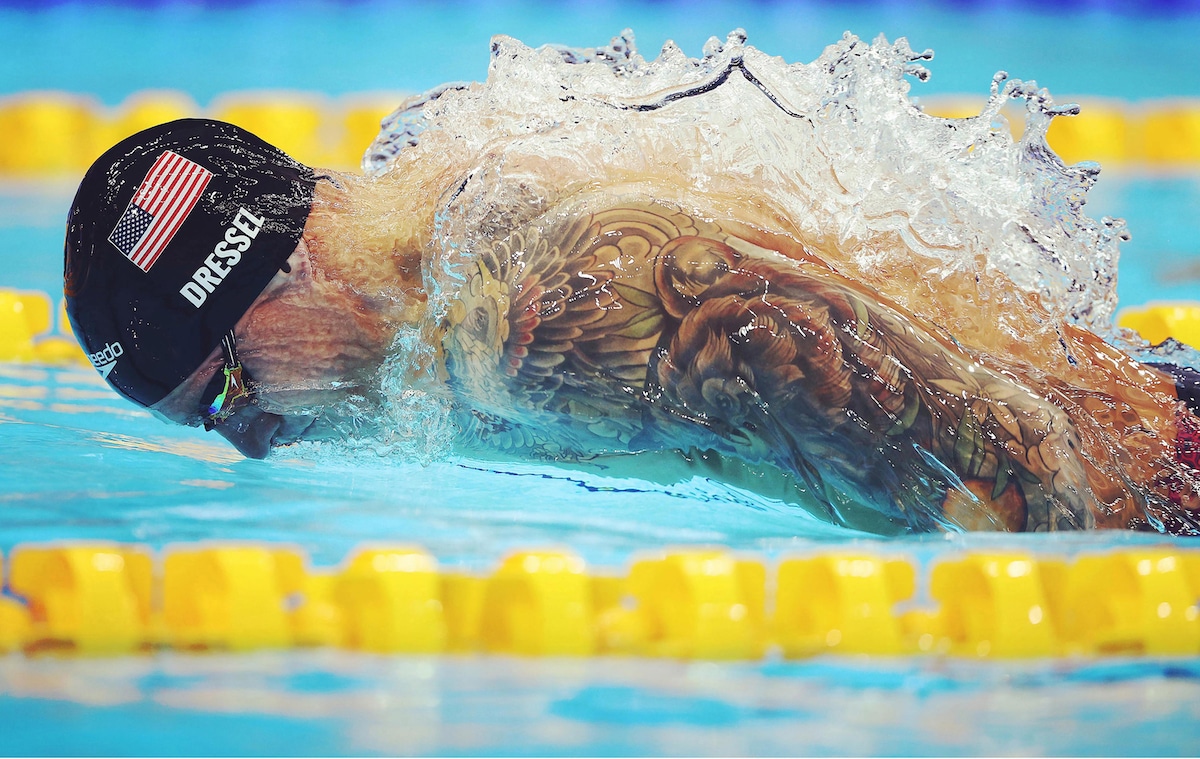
<point>59,134</point>
<point>93,598</point>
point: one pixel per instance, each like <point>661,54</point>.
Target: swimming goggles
<point>228,391</point>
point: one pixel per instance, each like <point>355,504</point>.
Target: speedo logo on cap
<point>228,252</point>
<point>104,360</point>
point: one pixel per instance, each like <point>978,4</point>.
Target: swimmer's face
<point>310,347</point>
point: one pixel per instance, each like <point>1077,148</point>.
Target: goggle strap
<point>229,346</point>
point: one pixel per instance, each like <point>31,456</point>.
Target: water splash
<point>836,144</point>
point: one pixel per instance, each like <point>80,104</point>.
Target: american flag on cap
<point>158,208</point>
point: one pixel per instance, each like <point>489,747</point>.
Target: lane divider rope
<point>59,134</point>
<point>692,603</point>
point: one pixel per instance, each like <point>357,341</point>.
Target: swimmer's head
<point>173,234</point>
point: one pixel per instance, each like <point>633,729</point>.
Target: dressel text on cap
<point>239,236</point>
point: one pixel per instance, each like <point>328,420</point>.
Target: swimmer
<point>219,283</point>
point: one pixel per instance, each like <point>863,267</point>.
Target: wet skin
<point>305,344</point>
<point>643,327</point>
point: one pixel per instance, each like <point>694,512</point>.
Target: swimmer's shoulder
<point>662,212</point>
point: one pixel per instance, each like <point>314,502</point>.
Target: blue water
<point>333,703</point>
<point>76,462</point>
<point>1109,49</point>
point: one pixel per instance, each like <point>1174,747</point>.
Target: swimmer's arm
<point>749,337</point>
<point>810,353</point>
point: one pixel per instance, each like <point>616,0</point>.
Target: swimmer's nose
<point>250,430</point>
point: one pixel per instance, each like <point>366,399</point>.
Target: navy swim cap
<point>173,234</point>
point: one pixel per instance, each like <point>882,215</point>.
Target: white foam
<point>837,144</point>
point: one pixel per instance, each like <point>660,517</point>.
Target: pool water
<point>334,703</point>
<point>1078,48</point>
<point>79,463</point>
